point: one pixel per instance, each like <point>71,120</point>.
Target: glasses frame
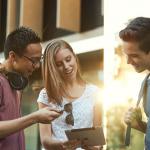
<point>34,63</point>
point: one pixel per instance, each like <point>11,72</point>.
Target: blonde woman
<point>65,89</point>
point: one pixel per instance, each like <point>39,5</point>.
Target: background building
<point>91,27</point>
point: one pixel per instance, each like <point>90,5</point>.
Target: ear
<point>12,56</point>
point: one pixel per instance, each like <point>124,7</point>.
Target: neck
<point>75,90</point>
<point>7,65</point>
<point>73,83</point>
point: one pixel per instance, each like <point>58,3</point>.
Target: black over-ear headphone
<point>16,80</point>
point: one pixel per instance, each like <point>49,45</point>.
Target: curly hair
<point>138,30</point>
<point>19,39</point>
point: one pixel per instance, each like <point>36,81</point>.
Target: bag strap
<point>142,89</point>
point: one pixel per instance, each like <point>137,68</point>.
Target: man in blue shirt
<point>136,46</point>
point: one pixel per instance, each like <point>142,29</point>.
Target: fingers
<point>46,115</point>
<point>85,145</point>
<point>53,114</point>
<point>71,145</point>
<point>54,109</point>
<point>128,116</point>
<point>132,114</point>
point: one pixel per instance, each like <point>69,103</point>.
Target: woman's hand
<point>93,148</point>
<point>84,145</point>
<point>71,145</point>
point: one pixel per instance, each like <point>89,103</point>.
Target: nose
<point>66,65</point>
<point>36,66</point>
<point>129,60</point>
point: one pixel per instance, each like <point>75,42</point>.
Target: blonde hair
<point>53,82</point>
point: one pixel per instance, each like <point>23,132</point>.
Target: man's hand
<point>134,117</point>
<point>46,115</point>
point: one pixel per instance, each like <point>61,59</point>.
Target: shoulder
<point>43,92</point>
<point>92,88</point>
<point>94,92</point>
<point>3,80</point>
<point>3,83</point>
<point>43,98</point>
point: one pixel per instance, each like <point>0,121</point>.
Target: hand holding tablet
<point>93,136</point>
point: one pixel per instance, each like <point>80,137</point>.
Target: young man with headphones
<point>22,53</point>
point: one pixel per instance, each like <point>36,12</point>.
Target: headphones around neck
<point>16,80</point>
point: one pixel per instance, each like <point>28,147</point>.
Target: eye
<point>58,64</point>
<point>134,56</point>
<point>68,58</point>
<point>36,58</point>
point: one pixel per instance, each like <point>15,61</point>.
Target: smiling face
<point>30,60</point>
<point>136,57</point>
<point>66,64</point>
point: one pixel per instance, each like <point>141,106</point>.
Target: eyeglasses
<point>69,118</point>
<point>34,61</point>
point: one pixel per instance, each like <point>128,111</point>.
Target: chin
<point>27,75</point>
<point>69,78</point>
<point>139,70</point>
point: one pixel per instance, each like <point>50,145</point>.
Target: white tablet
<point>94,135</point>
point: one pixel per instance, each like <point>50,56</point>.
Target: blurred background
<point>91,27</point>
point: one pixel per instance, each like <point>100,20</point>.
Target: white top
<point>82,112</point>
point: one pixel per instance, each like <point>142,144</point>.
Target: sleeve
<point>96,94</point>
<point>43,98</point>
<point>1,94</point>
<point>2,104</point>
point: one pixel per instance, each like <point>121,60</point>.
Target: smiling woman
<point>64,88</point>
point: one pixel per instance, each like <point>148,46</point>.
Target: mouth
<point>134,65</point>
<point>68,72</point>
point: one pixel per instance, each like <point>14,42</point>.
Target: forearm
<point>11,126</point>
